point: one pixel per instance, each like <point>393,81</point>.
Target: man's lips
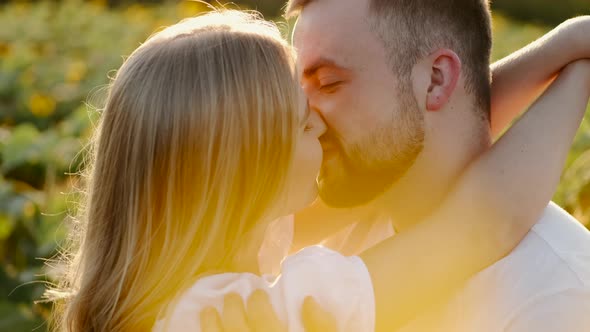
<point>327,145</point>
<point>329,153</point>
<point>329,149</point>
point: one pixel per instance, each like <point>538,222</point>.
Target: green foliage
<point>53,58</point>
<point>543,11</point>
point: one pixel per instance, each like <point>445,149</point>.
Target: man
<point>391,157</point>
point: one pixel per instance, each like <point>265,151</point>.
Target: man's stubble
<point>364,170</point>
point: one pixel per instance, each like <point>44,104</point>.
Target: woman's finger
<point>210,320</point>
<point>234,314</point>
<point>261,314</point>
<point>316,319</point>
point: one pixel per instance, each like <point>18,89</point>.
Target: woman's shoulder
<point>218,285</point>
<point>340,284</point>
<point>207,291</point>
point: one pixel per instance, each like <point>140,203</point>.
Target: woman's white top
<point>341,285</point>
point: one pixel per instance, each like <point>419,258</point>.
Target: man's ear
<point>444,75</point>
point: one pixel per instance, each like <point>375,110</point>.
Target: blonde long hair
<point>191,150</point>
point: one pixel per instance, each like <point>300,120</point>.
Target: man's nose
<point>315,104</point>
<point>318,124</point>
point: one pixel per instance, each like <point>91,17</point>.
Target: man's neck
<point>446,154</point>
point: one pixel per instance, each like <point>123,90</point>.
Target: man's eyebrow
<point>320,63</point>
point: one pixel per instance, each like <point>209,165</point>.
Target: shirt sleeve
<point>341,285</point>
<point>567,310</point>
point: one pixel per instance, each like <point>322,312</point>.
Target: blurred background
<point>55,59</point>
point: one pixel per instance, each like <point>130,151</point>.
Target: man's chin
<point>342,184</point>
<point>349,194</point>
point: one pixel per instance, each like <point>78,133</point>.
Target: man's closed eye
<point>330,88</point>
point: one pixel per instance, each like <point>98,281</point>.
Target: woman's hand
<point>259,316</point>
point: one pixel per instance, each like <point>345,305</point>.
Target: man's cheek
<point>338,104</point>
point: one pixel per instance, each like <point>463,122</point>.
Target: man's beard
<point>356,176</point>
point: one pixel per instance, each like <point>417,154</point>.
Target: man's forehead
<point>332,15</point>
<point>312,55</point>
<point>329,30</point>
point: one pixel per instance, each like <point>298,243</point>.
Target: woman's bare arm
<point>492,207</point>
<point>521,77</point>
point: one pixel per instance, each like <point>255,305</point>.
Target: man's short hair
<point>412,29</point>
<point>294,7</point>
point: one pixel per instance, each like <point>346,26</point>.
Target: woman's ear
<point>444,75</point>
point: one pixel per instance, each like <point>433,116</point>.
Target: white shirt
<point>341,285</point>
<point>542,286</point>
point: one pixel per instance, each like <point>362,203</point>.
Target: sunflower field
<point>56,58</point>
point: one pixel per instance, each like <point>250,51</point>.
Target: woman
<point>206,138</point>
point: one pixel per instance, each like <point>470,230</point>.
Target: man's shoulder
<point>548,271</point>
<point>555,254</point>
<point>553,259</point>
<point>561,229</point>
<point>563,240</point>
